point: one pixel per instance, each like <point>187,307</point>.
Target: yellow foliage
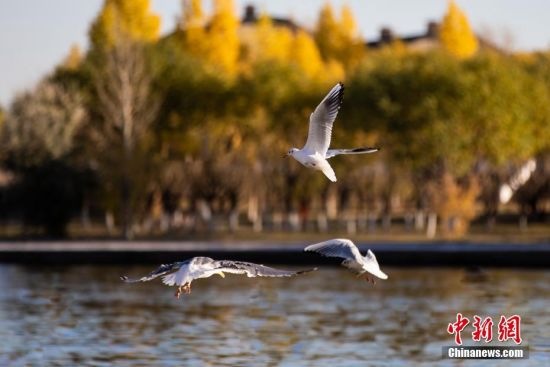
<point>193,25</point>
<point>455,204</point>
<point>455,33</point>
<point>193,14</point>
<point>351,45</point>
<point>306,54</point>
<point>273,43</point>
<point>222,39</point>
<point>333,71</point>
<point>129,18</point>
<point>338,39</point>
<point>73,59</point>
<point>528,58</point>
<point>326,32</point>
<point>347,22</point>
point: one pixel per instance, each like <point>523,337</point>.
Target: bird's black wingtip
<point>123,278</point>
<point>365,150</point>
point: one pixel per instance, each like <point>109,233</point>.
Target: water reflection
<point>85,316</point>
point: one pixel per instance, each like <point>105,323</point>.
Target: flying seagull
<point>353,259</point>
<point>182,273</point>
<point>316,151</point>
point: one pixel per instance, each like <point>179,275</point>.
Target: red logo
<point>508,328</point>
<point>483,329</point>
<point>457,327</point>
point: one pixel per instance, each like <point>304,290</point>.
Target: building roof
<point>387,36</point>
<point>251,17</point>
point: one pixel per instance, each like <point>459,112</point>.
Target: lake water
<point>84,316</point>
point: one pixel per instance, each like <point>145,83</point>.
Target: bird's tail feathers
<point>328,171</point>
<point>364,150</point>
<point>169,279</point>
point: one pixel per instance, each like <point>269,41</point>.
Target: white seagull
<point>316,151</point>
<point>182,273</point>
<point>354,261</point>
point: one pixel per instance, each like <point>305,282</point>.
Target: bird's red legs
<point>186,288</point>
<point>370,279</point>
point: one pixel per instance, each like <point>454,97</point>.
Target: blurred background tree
<point>338,40</point>
<point>132,18</point>
<point>38,137</point>
<point>182,133</point>
<point>455,33</point>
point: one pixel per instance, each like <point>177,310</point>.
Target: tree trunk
<point>234,220</point>
<point>419,220</point>
<point>322,222</point>
<point>351,225</point>
<point>431,228</point>
<point>126,210</point>
<point>109,222</point>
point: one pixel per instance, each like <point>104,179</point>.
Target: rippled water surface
<point>79,316</point>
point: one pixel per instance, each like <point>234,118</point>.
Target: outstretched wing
<point>334,152</point>
<point>371,265</point>
<point>255,270</point>
<point>161,270</point>
<point>338,247</point>
<point>322,119</point>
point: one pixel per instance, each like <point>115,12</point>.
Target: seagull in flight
<point>316,151</point>
<point>182,273</point>
<point>353,259</point>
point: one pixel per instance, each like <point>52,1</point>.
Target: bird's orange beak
<point>285,155</point>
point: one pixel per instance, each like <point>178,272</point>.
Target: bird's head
<point>290,152</point>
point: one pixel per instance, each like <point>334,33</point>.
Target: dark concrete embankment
<point>144,252</point>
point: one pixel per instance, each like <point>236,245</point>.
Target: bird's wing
<point>371,265</point>
<point>254,270</point>
<point>322,119</point>
<point>334,152</point>
<point>339,247</point>
<point>161,270</point>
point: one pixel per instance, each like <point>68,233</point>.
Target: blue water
<point>84,316</point>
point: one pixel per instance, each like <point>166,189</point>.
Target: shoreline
<point>440,254</point>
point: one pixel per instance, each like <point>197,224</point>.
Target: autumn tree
<point>326,32</point>
<point>73,59</point>
<point>42,123</point>
<point>222,39</point>
<point>455,33</point>
<point>193,25</point>
<point>306,54</point>
<point>352,48</point>
<point>127,107</point>
<point>132,18</point>
<point>38,139</point>
<point>338,39</point>
<point>272,43</point>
